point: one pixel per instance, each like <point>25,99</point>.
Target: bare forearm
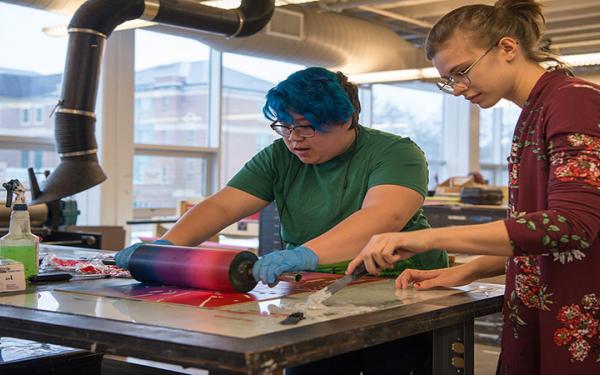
<point>198,224</point>
<point>346,239</point>
<point>485,266</point>
<point>481,267</point>
<point>483,239</point>
<point>212,215</point>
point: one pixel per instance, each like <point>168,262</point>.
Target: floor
<point>486,358</point>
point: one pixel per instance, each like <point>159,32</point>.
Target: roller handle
<point>110,261</point>
<point>292,277</point>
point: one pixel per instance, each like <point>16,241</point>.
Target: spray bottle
<point>19,244</point>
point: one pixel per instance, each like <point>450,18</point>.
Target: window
<point>496,129</point>
<point>171,90</point>
<point>164,104</point>
<point>173,155</point>
<point>14,163</point>
<point>25,116</point>
<point>29,77</point>
<point>245,131</point>
<point>30,81</point>
<point>398,108</point>
<point>39,116</point>
<point>159,182</point>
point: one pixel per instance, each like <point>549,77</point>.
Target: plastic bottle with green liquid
<point>19,244</point>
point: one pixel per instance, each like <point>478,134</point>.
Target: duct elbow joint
<point>254,16</point>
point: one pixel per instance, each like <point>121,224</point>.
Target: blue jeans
<point>410,356</point>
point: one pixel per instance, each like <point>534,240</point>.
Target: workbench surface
<point>242,333</point>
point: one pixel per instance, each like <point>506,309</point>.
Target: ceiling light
<point>586,59</point>
<point>231,4</point>
<point>58,31</point>
<point>55,31</point>
<point>289,2</point>
<point>395,75</point>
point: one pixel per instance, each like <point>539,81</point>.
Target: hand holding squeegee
<point>339,284</point>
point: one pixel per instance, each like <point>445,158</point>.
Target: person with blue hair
<point>336,184</point>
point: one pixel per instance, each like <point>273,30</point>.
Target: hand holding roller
<point>270,266</point>
<point>123,256</point>
<point>210,269</point>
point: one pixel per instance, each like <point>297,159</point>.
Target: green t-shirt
<point>311,198</point>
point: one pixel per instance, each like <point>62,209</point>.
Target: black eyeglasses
<point>284,130</point>
<point>448,85</point>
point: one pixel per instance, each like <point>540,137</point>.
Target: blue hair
<point>315,93</point>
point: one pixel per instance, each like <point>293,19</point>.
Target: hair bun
<point>515,4</point>
<point>500,4</point>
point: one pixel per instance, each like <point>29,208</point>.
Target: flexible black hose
<point>89,28</point>
<point>105,15</point>
<point>188,13</point>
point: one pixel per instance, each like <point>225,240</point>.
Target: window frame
<point>210,154</point>
<point>25,117</point>
<point>38,120</point>
<point>366,96</point>
<point>498,166</point>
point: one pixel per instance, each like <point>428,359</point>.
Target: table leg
<point>453,349</point>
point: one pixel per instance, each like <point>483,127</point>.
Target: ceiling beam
<point>572,17</point>
<point>584,43</point>
<point>339,6</point>
<point>560,30</point>
<point>570,7</point>
<point>429,8</point>
<point>557,39</point>
<point>408,3</point>
<point>399,17</point>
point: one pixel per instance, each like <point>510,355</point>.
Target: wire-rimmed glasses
<point>447,85</point>
<point>285,130</point>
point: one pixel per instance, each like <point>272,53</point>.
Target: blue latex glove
<point>270,266</point>
<point>123,256</point>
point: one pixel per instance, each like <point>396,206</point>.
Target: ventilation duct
<point>89,28</point>
<point>58,6</point>
<point>313,38</point>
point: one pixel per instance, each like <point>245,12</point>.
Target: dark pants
<point>410,356</point>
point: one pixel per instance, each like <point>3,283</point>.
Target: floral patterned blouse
<point>552,300</point>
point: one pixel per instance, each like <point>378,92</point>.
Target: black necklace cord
<point>344,186</point>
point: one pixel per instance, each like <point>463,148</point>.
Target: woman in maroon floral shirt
<point>549,246</point>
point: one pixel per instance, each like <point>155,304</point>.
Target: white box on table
<point>12,276</point>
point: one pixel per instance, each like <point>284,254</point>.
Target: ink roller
<point>211,269</point>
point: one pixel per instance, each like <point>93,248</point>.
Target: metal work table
<point>445,215</point>
<point>246,338</point>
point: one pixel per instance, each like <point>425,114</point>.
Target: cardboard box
<point>243,228</point>
<point>454,185</point>
<point>185,204</point>
<point>162,228</point>
<point>247,227</point>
